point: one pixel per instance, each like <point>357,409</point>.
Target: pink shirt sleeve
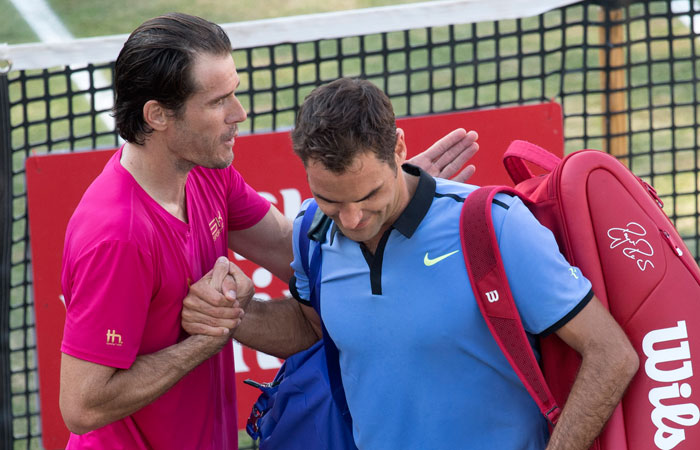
<point>245,206</point>
<point>111,289</point>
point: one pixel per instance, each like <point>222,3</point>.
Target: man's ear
<point>400,149</point>
<point>155,115</point>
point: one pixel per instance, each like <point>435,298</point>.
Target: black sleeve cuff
<point>295,293</point>
<point>564,320</point>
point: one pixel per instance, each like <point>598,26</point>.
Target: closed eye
<point>366,197</point>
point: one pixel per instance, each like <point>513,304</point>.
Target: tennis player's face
<point>363,201</point>
<point>204,132</point>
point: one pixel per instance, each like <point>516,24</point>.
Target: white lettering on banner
<point>636,249</point>
<point>685,414</point>
<point>264,360</point>
<point>238,360</point>
<point>262,278</point>
<point>291,201</point>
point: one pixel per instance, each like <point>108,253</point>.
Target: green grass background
<point>107,17</point>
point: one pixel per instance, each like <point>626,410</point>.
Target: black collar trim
<point>418,207</point>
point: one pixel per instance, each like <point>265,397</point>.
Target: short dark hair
<point>343,119</point>
<point>156,64</point>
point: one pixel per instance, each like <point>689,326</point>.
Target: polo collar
<point>418,207</point>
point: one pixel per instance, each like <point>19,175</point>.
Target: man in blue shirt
<point>419,366</point>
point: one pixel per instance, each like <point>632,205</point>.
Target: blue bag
<point>304,407</point>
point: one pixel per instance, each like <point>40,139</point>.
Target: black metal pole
<point>5,262</point>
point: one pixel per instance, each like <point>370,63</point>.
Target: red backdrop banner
<point>56,182</point>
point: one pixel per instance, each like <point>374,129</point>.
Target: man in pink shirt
<point>163,212</point>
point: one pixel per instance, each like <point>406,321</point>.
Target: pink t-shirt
<point>127,263</point>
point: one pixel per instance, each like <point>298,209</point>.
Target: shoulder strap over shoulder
<point>493,295</point>
<point>312,268</point>
<point>313,273</point>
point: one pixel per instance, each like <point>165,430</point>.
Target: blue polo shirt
<point>419,366</point>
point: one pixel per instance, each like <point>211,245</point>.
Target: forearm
<point>276,327</point>
<point>599,387</point>
<point>88,402</point>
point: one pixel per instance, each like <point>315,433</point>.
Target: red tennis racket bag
<point>609,223</point>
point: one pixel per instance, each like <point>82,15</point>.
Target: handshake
<point>214,305</point>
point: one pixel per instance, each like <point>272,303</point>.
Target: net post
<point>614,81</point>
<point>5,261</point>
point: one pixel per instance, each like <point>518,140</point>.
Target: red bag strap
<point>520,151</point>
<point>488,279</point>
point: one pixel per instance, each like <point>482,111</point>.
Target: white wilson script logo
<point>633,245</point>
<point>679,369</point>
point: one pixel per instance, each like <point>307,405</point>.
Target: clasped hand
<point>214,304</point>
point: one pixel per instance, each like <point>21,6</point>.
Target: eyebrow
<point>226,94</point>
<point>371,193</point>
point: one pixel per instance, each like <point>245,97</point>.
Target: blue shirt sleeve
<point>545,287</point>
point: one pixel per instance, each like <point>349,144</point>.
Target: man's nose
<point>350,216</point>
<point>237,113</point>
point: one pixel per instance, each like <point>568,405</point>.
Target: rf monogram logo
<point>492,296</point>
<point>113,338</point>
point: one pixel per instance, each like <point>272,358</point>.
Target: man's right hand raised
<point>213,304</point>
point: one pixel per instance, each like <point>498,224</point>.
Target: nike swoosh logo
<point>429,262</point>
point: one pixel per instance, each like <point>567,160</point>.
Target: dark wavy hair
<point>343,119</point>
<point>156,64</point>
